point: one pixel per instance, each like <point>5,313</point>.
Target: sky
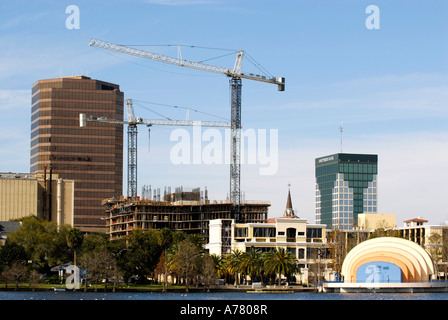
<point>380,75</point>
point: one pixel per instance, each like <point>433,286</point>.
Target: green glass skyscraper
<point>346,185</point>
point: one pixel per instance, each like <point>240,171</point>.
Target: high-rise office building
<point>91,156</point>
<point>346,185</point>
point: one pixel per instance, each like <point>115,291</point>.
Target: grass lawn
<point>100,287</point>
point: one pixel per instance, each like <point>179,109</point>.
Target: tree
<point>74,241</point>
<point>95,241</point>
<point>7,275</point>
<point>234,263</point>
<point>338,250</point>
<point>11,252</point>
<point>18,272</point>
<point>34,278</point>
<point>317,267</point>
<point>108,268</point>
<point>90,266</point>
<point>445,251</point>
<point>44,242</point>
<point>36,237</point>
<point>99,265</point>
<point>165,241</point>
<point>186,260</point>
<point>251,263</point>
<point>220,265</point>
<point>142,254</point>
<point>385,232</point>
<point>280,261</point>
<point>435,250</point>
<point>208,271</point>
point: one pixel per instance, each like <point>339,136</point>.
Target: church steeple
<point>289,211</point>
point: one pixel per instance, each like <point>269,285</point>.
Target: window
<point>264,232</point>
<point>291,233</point>
<point>240,232</point>
<point>301,254</point>
<point>314,233</point>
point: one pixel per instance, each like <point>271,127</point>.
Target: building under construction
<point>183,210</point>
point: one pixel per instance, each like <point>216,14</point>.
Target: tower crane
<point>235,75</point>
<point>132,136</point>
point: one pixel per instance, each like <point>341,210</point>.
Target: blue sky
<point>387,87</point>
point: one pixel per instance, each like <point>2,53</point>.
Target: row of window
<point>80,141</point>
<point>77,158</point>
<point>79,95</point>
<point>311,252</point>
<point>67,149</point>
<point>347,167</point>
<point>347,206</point>
<point>271,232</point>
<point>78,167</point>
<point>106,133</point>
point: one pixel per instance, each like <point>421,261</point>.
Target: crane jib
<point>280,81</point>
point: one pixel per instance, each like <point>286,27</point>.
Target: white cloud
<point>11,100</point>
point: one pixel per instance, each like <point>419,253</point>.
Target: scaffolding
<point>187,210</point>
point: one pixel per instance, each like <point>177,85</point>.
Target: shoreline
<point>181,289</point>
<point>327,289</point>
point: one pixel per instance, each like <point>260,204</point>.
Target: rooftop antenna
<point>341,129</point>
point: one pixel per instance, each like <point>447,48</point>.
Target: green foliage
<point>136,256</point>
<point>143,252</point>
<point>280,261</point>
<point>385,232</point>
<point>10,253</point>
<point>42,241</point>
<point>74,238</point>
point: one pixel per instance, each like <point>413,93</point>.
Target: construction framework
<point>176,213</point>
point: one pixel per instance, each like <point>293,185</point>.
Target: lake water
<point>224,296</point>
<point>222,305</point>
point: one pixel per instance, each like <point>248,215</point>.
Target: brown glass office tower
<point>91,156</point>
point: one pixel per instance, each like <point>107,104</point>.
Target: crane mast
<point>132,150</point>
<point>235,83</point>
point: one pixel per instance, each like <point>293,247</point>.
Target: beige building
<point>418,230</point>
<point>22,195</point>
<point>372,221</point>
<point>306,242</point>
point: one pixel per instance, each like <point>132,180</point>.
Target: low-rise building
<point>419,231</point>
<point>305,241</point>
<point>372,221</point>
<point>7,227</point>
<point>25,194</point>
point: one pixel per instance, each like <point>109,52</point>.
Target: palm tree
<point>233,261</point>
<point>280,261</point>
<point>252,263</point>
<point>165,241</point>
<point>74,241</point>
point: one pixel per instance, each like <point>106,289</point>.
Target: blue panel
<point>378,272</point>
